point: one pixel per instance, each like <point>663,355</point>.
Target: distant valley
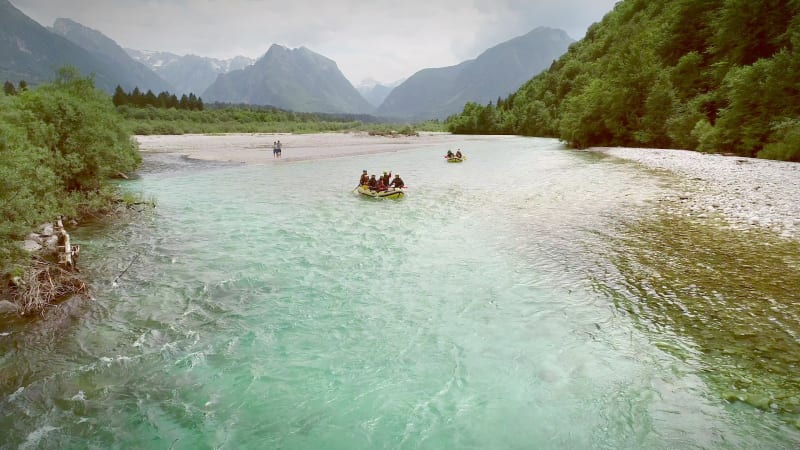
<point>188,73</point>
<point>497,72</point>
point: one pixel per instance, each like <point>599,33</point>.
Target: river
<point>530,297</point>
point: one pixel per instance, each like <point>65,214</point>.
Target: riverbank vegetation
<point>60,145</point>
<point>254,119</point>
<point>714,76</point>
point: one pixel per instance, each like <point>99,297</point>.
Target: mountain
<point>375,93</point>
<point>189,73</point>
<point>294,79</point>
<point>497,72</point>
<point>103,47</point>
<point>28,51</point>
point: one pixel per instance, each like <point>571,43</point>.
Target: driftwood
<point>42,284</point>
<point>67,254</point>
<point>45,281</point>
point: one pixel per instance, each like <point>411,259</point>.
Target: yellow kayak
<point>389,193</point>
<point>456,159</point>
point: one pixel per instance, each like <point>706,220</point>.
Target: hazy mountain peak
<point>31,52</point>
<point>295,79</point>
<point>188,73</point>
<point>97,43</point>
<point>497,72</point>
<point>88,38</point>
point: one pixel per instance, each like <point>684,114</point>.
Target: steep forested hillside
<point>708,75</point>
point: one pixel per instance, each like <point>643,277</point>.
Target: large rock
<point>31,246</point>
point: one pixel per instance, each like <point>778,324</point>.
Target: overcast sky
<point>385,40</point>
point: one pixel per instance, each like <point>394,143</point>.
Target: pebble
<point>748,192</point>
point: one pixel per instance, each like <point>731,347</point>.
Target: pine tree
<point>136,97</point>
<point>192,103</point>
<point>150,98</point>
<point>120,97</point>
<point>9,89</point>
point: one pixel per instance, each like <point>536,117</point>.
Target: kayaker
<point>373,183</point>
<point>364,178</point>
<point>386,178</point>
<point>397,182</point>
<point>449,153</point>
<point>458,153</point>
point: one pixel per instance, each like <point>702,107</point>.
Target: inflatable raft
<point>389,193</point>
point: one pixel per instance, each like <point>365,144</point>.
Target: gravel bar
<point>747,192</point>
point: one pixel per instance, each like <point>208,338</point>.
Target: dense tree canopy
<point>162,100</point>
<point>709,75</point>
<point>59,144</point>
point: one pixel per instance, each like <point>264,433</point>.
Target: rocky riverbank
<point>51,274</point>
<point>748,193</point>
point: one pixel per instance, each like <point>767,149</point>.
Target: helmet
<point>365,171</point>
<point>384,172</point>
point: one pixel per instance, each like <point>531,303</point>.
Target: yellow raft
<point>389,193</point>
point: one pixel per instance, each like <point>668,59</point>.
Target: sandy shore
<point>746,192</point>
<point>257,148</point>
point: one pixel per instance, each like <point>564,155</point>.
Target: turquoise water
<point>271,307</point>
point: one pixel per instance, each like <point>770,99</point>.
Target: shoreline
<point>749,193</point>
<point>256,148</point>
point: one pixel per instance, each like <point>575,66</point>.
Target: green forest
<point>162,100</point>
<point>60,144</point>
<point>255,119</point>
<point>717,76</point>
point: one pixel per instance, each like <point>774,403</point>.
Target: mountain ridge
<point>30,52</point>
<point>439,92</point>
<point>296,79</point>
<point>102,46</point>
<point>188,73</point>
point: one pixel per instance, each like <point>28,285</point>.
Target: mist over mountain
<point>104,48</point>
<point>374,92</point>
<point>30,52</point>
<point>497,72</point>
<point>294,79</point>
<point>189,73</point>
